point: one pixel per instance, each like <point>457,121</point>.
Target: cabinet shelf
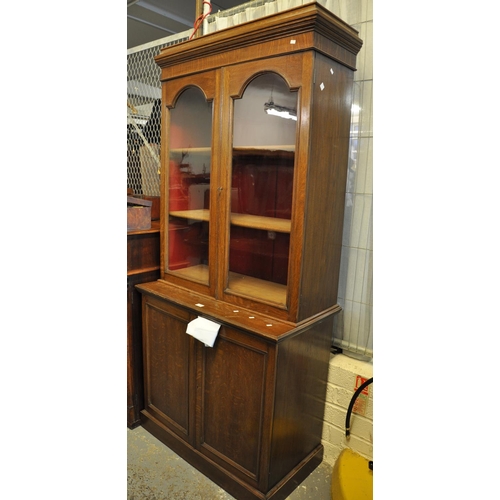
<point>196,273</point>
<point>260,222</point>
<point>239,149</point>
<point>243,220</point>
<point>258,149</point>
<point>205,149</point>
<point>241,284</point>
<point>255,287</point>
<point>202,214</point>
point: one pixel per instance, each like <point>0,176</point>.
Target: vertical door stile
<point>221,188</point>
<point>214,202</point>
<point>214,192</point>
<point>197,372</point>
<point>300,183</point>
<point>165,124</point>
<point>146,328</point>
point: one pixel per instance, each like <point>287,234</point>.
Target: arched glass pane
<point>189,185</point>
<point>264,133</point>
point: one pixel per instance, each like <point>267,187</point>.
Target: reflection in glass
<point>261,189</point>
<point>189,185</point>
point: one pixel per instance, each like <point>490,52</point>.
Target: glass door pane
<point>264,135</point>
<point>189,185</point>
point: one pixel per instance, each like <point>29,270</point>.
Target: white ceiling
<point>149,20</point>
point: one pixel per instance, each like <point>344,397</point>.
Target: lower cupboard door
<point>167,355</point>
<point>232,403</point>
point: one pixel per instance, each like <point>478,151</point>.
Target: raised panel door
<point>169,364</point>
<point>234,377</point>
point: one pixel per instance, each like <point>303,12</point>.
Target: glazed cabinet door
<point>169,366</point>
<point>187,138</point>
<point>266,106</point>
<point>234,392</point>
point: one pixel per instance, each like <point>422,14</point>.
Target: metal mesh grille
<point>143,116</point>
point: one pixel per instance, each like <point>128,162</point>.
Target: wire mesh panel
<point>144,116</point>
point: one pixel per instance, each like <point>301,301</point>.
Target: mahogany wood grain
<point>143,250</point>
<point>263,38</point>
<point>302,369</point>
<point>143,265</point>
<point>326,184</point>
<point>248,412</point>
<point>169,374</point>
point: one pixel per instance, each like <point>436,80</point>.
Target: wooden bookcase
<point>143,265</point>
<point>251,232</point>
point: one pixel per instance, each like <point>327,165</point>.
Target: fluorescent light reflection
<point>273,109</point>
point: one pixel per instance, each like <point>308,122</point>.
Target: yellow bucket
<point>352,479</point>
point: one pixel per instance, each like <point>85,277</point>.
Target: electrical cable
<point>201,18</point>
<point>351,405</point>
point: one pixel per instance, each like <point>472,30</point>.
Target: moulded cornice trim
<point>311,17</point>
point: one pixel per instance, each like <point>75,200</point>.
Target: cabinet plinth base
<point>233,485</point>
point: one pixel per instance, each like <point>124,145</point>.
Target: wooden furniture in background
<point>143,265</point>
<point>251,233</point>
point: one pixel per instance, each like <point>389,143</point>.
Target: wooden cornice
<point>309,18</point>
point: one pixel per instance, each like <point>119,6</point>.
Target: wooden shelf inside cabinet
<point>260,222</point>
<point>255,287</point>
<point>243,220</point>
<point>271,150</point>
<point>201,214</point>
<point>196,273</point>
<point>191,150</point>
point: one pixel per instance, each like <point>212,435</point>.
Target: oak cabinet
<point>247,412</point>
<point>255,140</point>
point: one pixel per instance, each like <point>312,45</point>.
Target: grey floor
<point>157,473</point>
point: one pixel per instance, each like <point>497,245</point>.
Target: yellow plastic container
<point>352,479</point>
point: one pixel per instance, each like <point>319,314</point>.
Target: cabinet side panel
<point>166,357</point>
<point>326,184</point>
<point>302,373</point>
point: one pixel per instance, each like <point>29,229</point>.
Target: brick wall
<point>341,387</point>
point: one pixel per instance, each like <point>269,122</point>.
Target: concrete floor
<point>156,473</point>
